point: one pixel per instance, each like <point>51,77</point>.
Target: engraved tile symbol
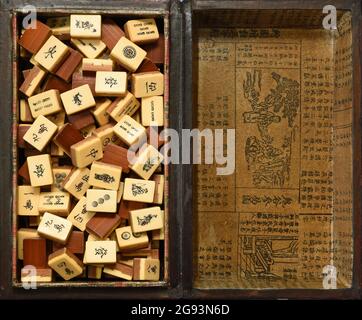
<point>50,52</point>
<point>110,81</point>
<point>138,189</point>
<point>152,268</point>
<point>125,235</point>
<point>100,251</point>
<point>92,153</point>
<point>129,52</point>
<point>39,170</point>
<point>77,99</point>
<point>146,219</point>
<point>28,205</point>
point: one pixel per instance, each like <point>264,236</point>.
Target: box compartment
<point>289,215</point>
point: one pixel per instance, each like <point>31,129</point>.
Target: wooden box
<point>293,205</point>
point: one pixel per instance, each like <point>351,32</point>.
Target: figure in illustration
<point>268,163</point>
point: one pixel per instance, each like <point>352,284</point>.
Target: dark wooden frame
<point>181,116</point>
<point>189,9</point>
<point>171,288</point>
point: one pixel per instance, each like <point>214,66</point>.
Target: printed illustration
<point>268,162</point>
<point>261,255</point>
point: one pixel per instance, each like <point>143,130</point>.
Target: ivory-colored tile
<point>119,270</point>
<point>79,216</point>
<point>97,65</point>
<point>152,111</point>
<point>25,112</point>
<point>52,54</point>
<point>147,84</point>
<point>59,176</point>
<point>111,83</point>
<point>32,81</point>
<point>77,182</point>
<point>85,26</point>
<point>128,54</point>
<point>91,48</point>
<point>78,99</point>
<point>120,192</point>
<point>40,170</point>
<point>127,105</point>
<point>105,176</point>
<point>86,151</point>
<point>160,187</point>
<point>45,103</point>
<point>55,228</point>
<point>146,219</point>
<point>107,135</point>
<point>100,252</point>
<point>141,31</point>
<point>40,133</point>
<point>54,202</point>
<point>127,240</point>
<point>146,269</point>
<point>101,200</point>
<point>159,234</point>
<point>100,111</point>
<point>147,162</point>
<point>28,198</point>
<point>138,190</point>
<point>129,130</point>
<point>65,263</point>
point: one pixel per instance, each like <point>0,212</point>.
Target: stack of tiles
<point>90,197</point>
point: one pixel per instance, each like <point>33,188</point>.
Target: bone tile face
<point>86,151</point>
<point>146,219</point>
<point>138,190</point>
<point>111,83</point>
<point>147,163</point>
<point>152,111</point>
<point>54,202</point>
<point>77,182</point>
<point>127,240</point>
<point>40,133</point>
<point>105,176</point>
<point>40,170</point>
<point>66,264</point>
<point>99,252</point>
<point>102,200</point>
<point>85,26</point>
<point>91,48</point>
<point>147,84</point>
<point>45,103</point>
<point>54,228</point>
<point>79,216</point>
<point>146,269</point>
<point>128,54</point>
<point>28,198</point>
<point>129,130</point>
<point>51,54</point>
<point>78,99</point>
<point>141,31</point>
<point>127,105</point>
